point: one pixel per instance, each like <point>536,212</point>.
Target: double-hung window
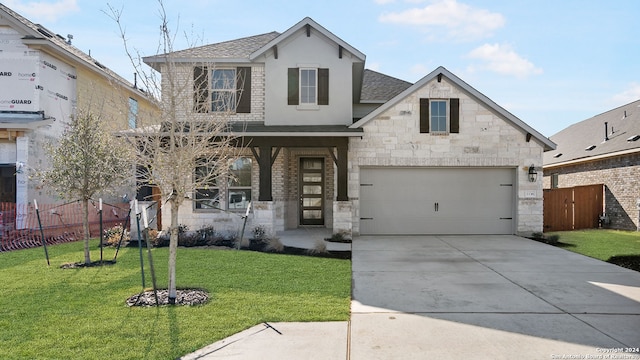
<point>440,116</point>
<point>133,113</point>
<point>214,192</point>
<point>308,86</point>
<point>207,196</point>
<point>240,184</point>
<point>223,90</point>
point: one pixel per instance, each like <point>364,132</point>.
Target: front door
<point>311,191</point>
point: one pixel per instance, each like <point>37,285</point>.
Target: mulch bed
<point>80,265</point>
<point>187,297</point>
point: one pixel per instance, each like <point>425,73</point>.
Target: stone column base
<point>342,218</point>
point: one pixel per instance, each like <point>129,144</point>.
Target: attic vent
<point>634,138</point>
<point>557,155</point>
<point>44,31</point>
<point>590,148</point>
<point>99,65</point>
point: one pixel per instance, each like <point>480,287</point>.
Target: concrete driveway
<point>488,297</point>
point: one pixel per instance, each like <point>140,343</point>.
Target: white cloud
<point>502,59</point>
<point>384,2</point>
<point>43,10</point>
<point>632,93</point>
<point>459,21</point>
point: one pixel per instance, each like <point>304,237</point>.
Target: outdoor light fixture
<point>533,175</point>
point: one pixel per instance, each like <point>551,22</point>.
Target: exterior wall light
<point>533,174</point>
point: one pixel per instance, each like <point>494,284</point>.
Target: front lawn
<point>54,313</point>
<point>614,246</point>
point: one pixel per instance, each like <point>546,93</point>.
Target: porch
<point>308,237</point>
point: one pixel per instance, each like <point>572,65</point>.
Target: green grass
<point>618,247</point>
<point>53,313</point>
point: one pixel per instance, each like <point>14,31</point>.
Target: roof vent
<point>624,116</point>
<point>557,155</point>
<point>44,31</point>
<point>606,131</point>
<point>590,148</point>
<point>634,138</point>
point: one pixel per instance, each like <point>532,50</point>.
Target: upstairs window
<point>133,113</point>
<point>222,90</point>
<point>308,86</point>
<point>439,116</point>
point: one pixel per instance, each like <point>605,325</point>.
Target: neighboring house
<point>43,80</point>
<point>334,145</point>
<point>604,149</point>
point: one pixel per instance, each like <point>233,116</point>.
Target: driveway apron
<point>488,297</point>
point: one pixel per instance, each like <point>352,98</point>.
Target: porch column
<point>342,165</point>
<point>264,162</point>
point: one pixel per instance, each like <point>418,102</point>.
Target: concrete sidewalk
<point>463,297</point>
<point>277,341</point>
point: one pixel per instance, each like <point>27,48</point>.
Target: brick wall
<point>620,175</point>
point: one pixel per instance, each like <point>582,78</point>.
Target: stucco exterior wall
<point>485,140</point>
<point>313,51</point>
<point>622,190</point>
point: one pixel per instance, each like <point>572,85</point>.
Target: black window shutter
<point>293,97</point>
<point>200,89</point>
<point>454,111</point>
<point>323,86</point>
<point>243,88</point>
<point>424,115</point>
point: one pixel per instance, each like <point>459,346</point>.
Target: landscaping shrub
<point>112,236</point>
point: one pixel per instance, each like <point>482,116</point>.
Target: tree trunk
<point>173,250</point>
<point>85,230</point>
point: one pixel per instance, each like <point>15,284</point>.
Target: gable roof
<point>622,132</point>
<point>38,35</point>
<point>303,23</point>
<point>238,50</point>
<point>380,88</point>
<point>548,144</point>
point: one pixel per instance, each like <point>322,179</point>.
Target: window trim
<point>447,117</point>
<point>304,88</point>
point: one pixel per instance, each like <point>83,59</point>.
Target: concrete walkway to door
<point>488,297</point>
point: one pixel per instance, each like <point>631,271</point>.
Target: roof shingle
<point>623,123</point>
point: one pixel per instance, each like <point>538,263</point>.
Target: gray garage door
<point>436,201</point>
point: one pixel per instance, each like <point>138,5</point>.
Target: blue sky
<point>550,63</point>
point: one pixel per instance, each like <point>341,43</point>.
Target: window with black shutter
<point>440,116</point>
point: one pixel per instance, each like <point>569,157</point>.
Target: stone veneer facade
<point>620,176</point>
<point>485,140</point>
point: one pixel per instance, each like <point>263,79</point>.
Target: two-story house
<point>331,144</point>
<point>43,80</point>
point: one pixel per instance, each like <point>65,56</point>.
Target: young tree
<point>86,161</point>
<point>190,146</point>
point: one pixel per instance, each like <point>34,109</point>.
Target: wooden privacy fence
<point>60,223</point>
<point>573,208</point>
